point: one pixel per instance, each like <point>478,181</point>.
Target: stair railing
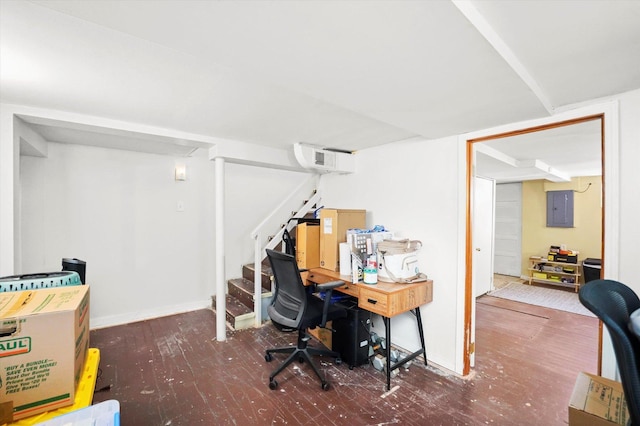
<point>310,185</point>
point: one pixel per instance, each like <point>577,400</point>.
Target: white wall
<point>411,189</point>
<point>117,210</point>
<point>629,189</point>
<point>9,159</point>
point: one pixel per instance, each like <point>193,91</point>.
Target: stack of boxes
<point>334,224</point>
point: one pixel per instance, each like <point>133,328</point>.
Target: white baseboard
<point>111,320</point>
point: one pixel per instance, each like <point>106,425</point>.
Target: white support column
<point>221,328</point>
<point>257,280</point>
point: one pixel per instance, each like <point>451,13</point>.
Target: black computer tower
<point>351,338</point>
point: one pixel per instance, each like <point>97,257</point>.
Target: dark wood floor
<point>172,371</point>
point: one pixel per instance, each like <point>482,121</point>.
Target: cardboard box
<point>308,245</point>
<point>44,339</point>
<point>334,224</point>
<point>564,258</point>
<point>597,401</point>
<point>567,258</point>
<point>324,335</point>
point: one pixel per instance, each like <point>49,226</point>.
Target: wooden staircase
<point>240,310</point>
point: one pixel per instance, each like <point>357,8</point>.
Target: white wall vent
<point>324,160</point>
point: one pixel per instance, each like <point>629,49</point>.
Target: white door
<point>508,229</point>
<point>482,226</point>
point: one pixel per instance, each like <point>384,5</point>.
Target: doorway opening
<point>507,137</point>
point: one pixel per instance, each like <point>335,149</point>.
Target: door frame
<point>608,114</point>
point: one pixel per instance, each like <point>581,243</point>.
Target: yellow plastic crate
<point>84,392</point>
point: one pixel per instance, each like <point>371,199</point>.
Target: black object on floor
<point>77,265</point>
<point>351,338</point>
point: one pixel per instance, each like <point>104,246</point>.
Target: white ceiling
<point>556,154</point>
<point>341,74</point>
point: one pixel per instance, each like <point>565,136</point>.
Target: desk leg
<point>419,320</point>
<point>423,350</point>
<point>387,329</point>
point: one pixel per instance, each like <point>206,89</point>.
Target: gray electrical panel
<point>560,209</point>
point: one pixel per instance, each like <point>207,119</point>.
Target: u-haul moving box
<point>44,338</point>
<point>597,401</point>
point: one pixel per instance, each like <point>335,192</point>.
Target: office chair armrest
<point>328,288</point>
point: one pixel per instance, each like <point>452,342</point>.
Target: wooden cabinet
<point>551,272</point>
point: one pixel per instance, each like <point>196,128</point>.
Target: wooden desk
<point>386,300</point>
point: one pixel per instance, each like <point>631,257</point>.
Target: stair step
<point>236,308</point>
<point>265,275</point>
<point>242,289</point>
<point>238,315</point>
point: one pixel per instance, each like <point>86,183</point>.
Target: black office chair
<point>613,303</point>
<point>294,306</point>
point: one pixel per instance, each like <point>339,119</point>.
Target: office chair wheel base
<point>338,361</point>
<point>351,367</point>
<point>268,357</point>
<point>300,360</point>
<point>325,386</point>
<point>273,385</point>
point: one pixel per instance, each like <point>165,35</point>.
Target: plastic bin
<point>106,413</point>
<point>39,280</point>
<point>591,268</point>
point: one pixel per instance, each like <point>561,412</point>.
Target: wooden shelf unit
<point>535,272</point>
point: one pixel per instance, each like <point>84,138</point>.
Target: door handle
<point>477,248</point>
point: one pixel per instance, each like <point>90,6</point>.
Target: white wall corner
<point>9,159</point>
<point>31,142</point>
